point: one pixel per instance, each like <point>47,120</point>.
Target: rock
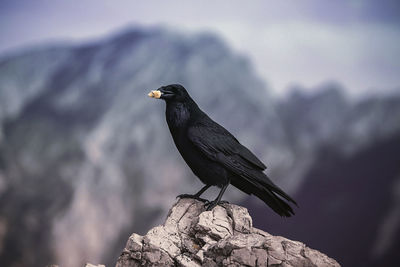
<point>223,236</point>
<point>94,265</point>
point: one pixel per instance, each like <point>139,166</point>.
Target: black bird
<point>215,156</point>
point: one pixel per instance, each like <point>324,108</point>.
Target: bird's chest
<point>177,115</point>
<point>208,171</point>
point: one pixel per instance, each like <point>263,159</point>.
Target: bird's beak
<point>155,94</point>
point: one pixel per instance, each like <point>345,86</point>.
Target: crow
<point>214,155</point>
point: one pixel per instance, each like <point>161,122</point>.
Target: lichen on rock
<point>224,236</point>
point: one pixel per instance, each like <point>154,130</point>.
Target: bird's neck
<point>179,114</point>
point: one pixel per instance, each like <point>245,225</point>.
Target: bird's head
<point>170,93</point>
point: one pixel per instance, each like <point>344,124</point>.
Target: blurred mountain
<point>86,158</point>
<point>328,117</point>
<point>349,199</point>
<point>349,206</point>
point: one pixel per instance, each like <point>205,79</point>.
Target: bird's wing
<point>214,140</point>
<point>219,145</point>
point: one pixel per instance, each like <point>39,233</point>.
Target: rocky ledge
<point>224,236</point>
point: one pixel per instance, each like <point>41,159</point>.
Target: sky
<point>291,43</point>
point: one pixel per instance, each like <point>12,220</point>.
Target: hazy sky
<point>290,42</point>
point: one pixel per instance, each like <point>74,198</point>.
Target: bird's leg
<point>197,195</point>
<point>212,204</point>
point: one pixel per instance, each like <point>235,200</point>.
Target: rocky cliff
<point>224,236</point>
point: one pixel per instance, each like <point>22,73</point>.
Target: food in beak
<point>155,94</point>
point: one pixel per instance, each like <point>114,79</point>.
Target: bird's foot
<point>193,197</point>
<point>212,204</point>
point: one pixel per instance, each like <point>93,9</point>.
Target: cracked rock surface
<point>223,236</point>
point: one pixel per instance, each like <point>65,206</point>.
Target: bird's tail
<point>264,189</point>
<point>271,196</point>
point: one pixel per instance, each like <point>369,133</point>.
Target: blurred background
<point>312,87</point>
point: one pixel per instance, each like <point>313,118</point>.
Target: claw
<point>193,197</point>
<point>210,205</point>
